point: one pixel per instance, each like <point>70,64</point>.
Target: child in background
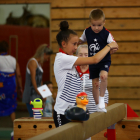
<point>97,37</point>
<point>83,70</point>
<point>49,101</point>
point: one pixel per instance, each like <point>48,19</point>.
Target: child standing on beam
<point>97,37</point>
<point>67,78</point>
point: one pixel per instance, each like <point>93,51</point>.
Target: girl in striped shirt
<point>67,78</point>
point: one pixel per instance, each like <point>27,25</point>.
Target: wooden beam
<point>118,35</point>
<point>126,82</point>
<point>123,93</point>
<point>83,130</point>
<point>134,104</point>
<point>103,3</point>
<point>110,24</point>
<point>68,13</point>
<point>80,3</point>
<point>115,12</point>
<point>120,70</point>
<point>117,82</point>
<point>125,58</point>
<point>124,47</point>
<point>68,3</point>
<point>124,70</point>
<point>120,59</point>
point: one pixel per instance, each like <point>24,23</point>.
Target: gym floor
<point>6,126</point>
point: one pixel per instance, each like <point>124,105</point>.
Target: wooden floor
<point>99,136</point>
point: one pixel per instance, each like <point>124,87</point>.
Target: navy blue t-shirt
<point>97,41</point>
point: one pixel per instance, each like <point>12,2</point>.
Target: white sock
<point>97,106</point>
<point>100,109</point>
<point>12,133</point>
<point>101,102</point>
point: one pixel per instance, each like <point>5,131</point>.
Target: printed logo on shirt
<point>94,47</point>
<point>106,66</point>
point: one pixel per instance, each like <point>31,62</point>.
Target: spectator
<point>9,74</point>
<point>34,74</point>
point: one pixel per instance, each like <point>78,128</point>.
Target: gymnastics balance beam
<point>82,130</point>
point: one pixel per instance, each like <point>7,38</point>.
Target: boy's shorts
<point>95,71</point>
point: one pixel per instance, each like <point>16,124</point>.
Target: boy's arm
<point>83,38</point>
<point>80,42</point>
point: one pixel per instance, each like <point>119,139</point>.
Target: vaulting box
<point>128,129</point>
<point>28,127</point>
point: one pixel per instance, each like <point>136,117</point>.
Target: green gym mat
<point>5,134</point>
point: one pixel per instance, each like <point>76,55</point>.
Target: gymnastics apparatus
<point>118,115</point>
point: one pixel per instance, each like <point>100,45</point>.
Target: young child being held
<point>97,37</point>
